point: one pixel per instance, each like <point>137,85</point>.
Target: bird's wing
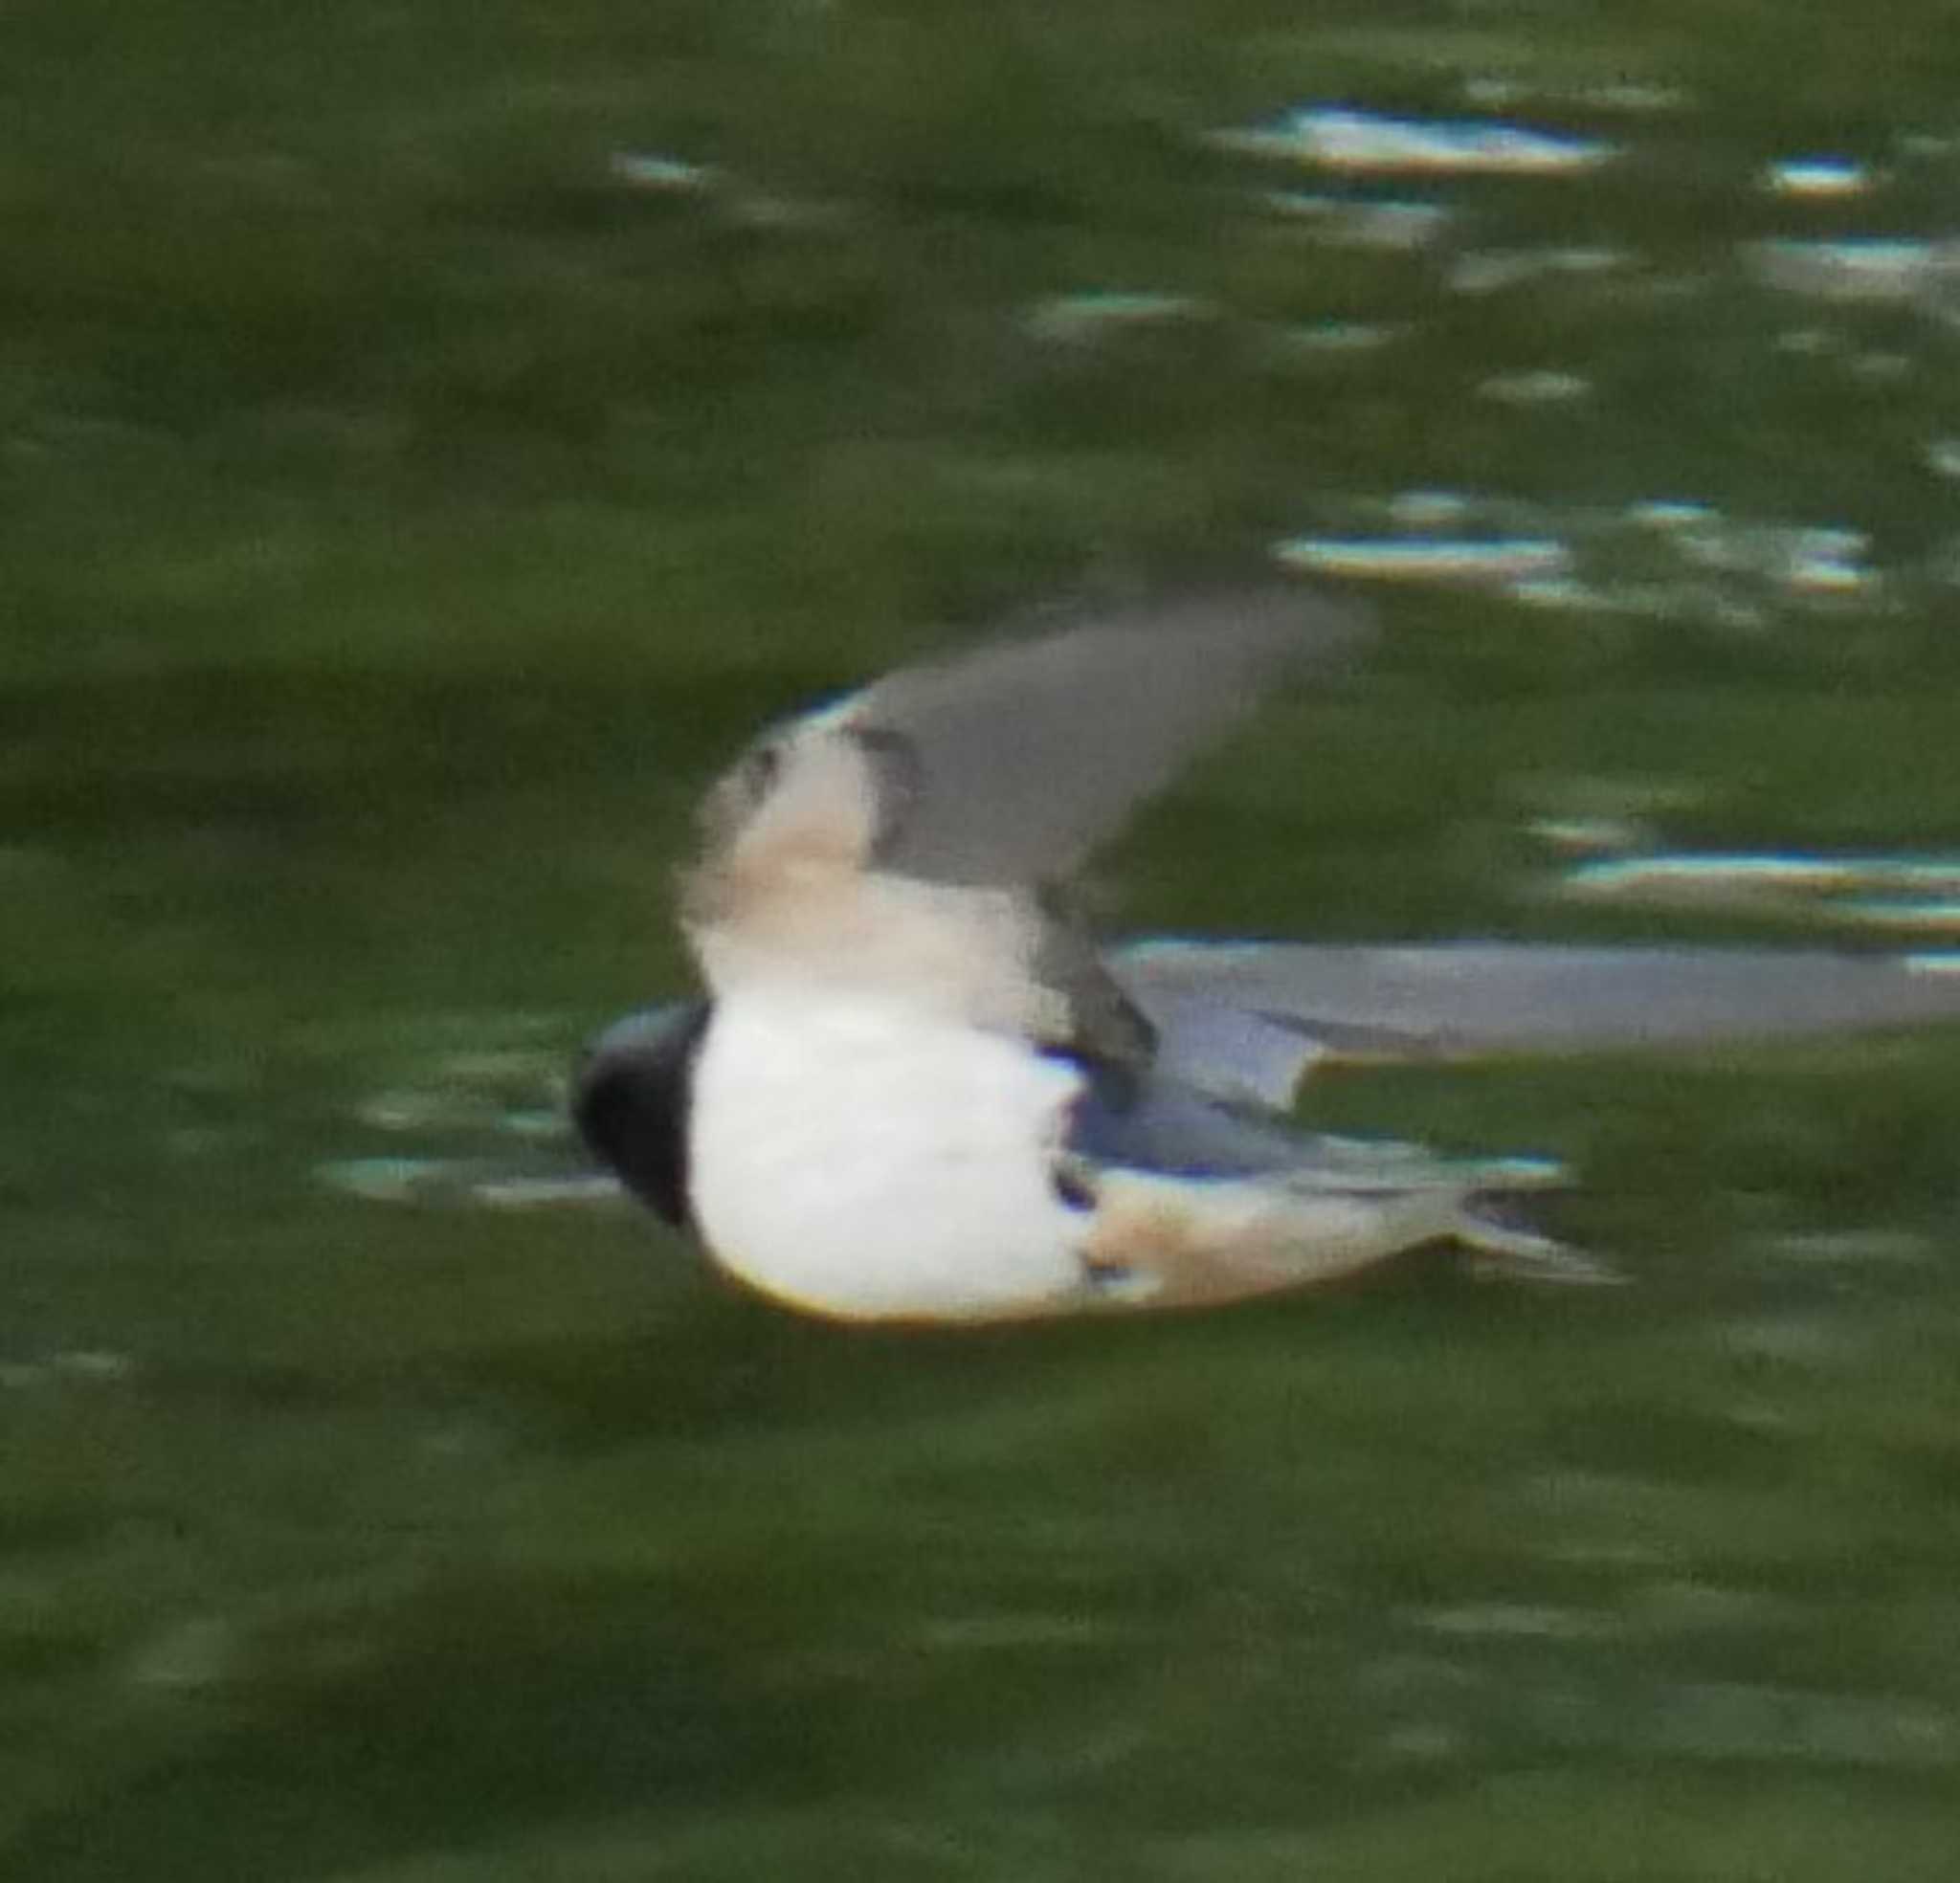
<point>1009,765</point>
<point>1198,1202</point>
<point>1178,1130</point>
<point>1248,1018</point>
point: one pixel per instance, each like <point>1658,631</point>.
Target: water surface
<point>430,437</point>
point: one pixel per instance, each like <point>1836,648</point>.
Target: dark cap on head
<point>631,1098</point>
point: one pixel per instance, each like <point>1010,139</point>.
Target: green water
<point>407,493</point>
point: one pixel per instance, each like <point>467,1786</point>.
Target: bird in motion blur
<point>917,1090</point>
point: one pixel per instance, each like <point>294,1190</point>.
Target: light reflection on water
<point>1872,895</point>
<point>1332,138</point>
<point>1661,557</point>
<point>1735,570</point>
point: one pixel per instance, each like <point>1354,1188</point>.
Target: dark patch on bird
<point>630,1100</point>
<point>1107,1026</point>
<point>900,784</point>
<point>1101,1272</point>
<point>1072,1185</point>
<point>1110,1087</point>
<point>1172,1130</point>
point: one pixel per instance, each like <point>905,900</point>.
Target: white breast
<point>856,1158</point>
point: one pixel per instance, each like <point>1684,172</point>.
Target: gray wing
<point>1247,1019</point>
<point>1178,1130</point>
<point>1009,765</point>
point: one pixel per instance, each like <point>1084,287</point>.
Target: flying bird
<point>916,1090</point>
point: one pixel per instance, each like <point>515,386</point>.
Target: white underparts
<point>855,1158</point>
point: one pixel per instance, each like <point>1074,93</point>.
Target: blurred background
<point>432,435</point>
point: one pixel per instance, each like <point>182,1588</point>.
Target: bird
<point>916,1090</point>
